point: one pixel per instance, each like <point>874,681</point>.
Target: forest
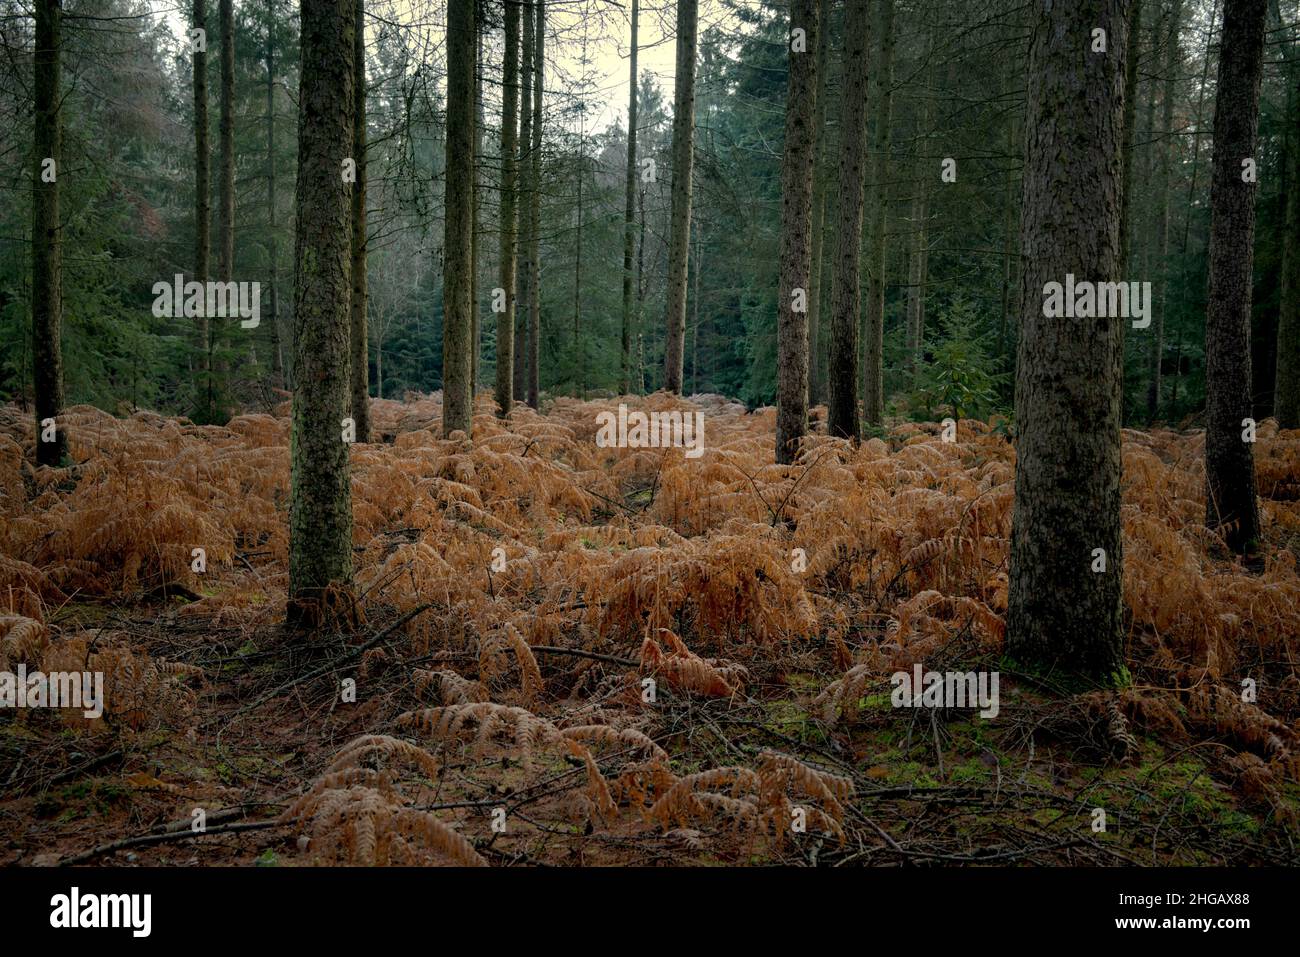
<point>524,433</point>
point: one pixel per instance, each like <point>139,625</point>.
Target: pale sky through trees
<point>605,95</point>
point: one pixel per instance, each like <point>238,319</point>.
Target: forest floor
<point>563,654</point>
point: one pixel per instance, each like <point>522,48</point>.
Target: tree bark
<point>1161,190</point>
<point>873,342</point>
<point>1231,503</point>
<point>629,214</point>
<point>846,292</point>
<point>1286,387</point>
<point>226,180</point>
<point>523,307</point>
<point>457,260</point>
<point>1064,611</point>
<point>272,243</point>
<point>535,209</point>
<point>47,234</point>
<point>320,509</point>
<point>202,203</point>
<point>360,350</point>
<point>476,346</point>
<point>679,229</point>
<point>1130,117</point>
<point>816,370</point>
<point>796,235</point>
<point>509,189</point>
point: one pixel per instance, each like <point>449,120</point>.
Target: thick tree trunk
<point>1064,607</point>
<point>629,215</point>
<point>1231,502</point>
<point>360,350</point>
<point>846,293</point>
<point>873,341</point>
<point>509,189</point>
<point>47,236</point>
<point>1161,190</point>
<point>523,307</point>
<point>202,202</point>
<point>457,260</point>
<point>816,369</point>
<point>796,234</point>
<point>679,228</point>
<point>535,208</point>
<point>320,509</point>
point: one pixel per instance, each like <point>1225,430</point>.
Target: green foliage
<point>960,378</point>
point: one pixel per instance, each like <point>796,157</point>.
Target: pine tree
<point>1064,605</point>
<point>458,262</point>
<point>509,196</point>
<point>846,293</point>
<point>679,229</point>
<point>796,232</point>
<point>320,504</point>
<point>1231,502</point>
<point>47,236</point>
<point>360,358</point>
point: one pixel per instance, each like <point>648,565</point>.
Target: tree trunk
<point>457,260</point>
<point>1161,190</point>
<point>1286,385</point>
<point>1064,611</point>
<point>360,349</point>
<point>202,201</point>
<point>524,306</point>
<point>509,188</point>
<point>1231,503</point>
<point>320,510</point>
<point>916,270</point>
<point>226,183</point>
<point>640,298</point>
<point>629,214</point>
<point>796,234</point>
<point>695,314</point>
<point>476,346</point>
<point>47,236</point>
<point>873,341</point>
<point>272,243</point>
<point>816,371</point>
<point>846,293</point>
<point>535,209</point>
<point>1130,117</point>
<point>679,229</point>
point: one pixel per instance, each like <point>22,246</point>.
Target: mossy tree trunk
<point>458,258</point>
<point>320,507</point>
<point>1064,606</point>
<point>846,291</point>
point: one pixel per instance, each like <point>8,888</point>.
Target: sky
<point>607,30</point>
